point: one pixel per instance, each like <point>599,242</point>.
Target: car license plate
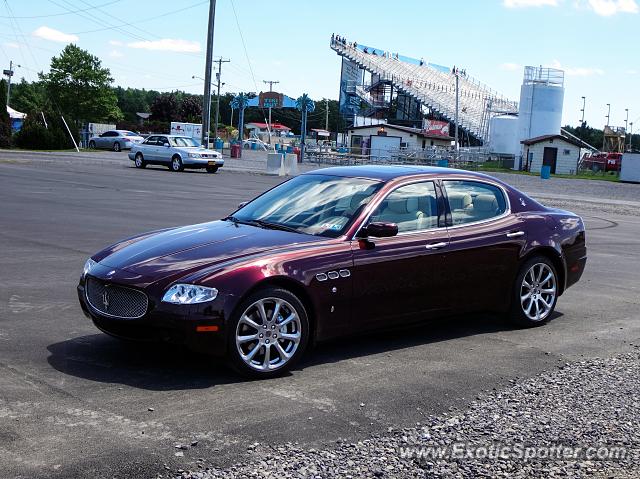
<point>212,163</point>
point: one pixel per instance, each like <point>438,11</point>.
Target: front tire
<point>212,169</point>
<point>535,292</point>
<point>139,160</point>
<point>176,164</point>
<point>116,146</point>
<point>268,333</point>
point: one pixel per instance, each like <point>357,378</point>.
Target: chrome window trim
<point>86,295</point>
<point>506,213</point>
<point>401,185</point>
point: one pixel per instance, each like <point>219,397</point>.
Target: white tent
<point>15,115</point>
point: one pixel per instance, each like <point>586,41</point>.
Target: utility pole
<point>631,137</point>
<point>326,118</point>
<point>9,74</point>
<point>218,76</point>
<point>457,106</point>
<point>206,110</point>
<point>626,125</point>
<point>584,102</point>
<point>604,131</point>
<point>271,83</point>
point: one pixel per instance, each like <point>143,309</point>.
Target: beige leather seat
<point>484,207</point>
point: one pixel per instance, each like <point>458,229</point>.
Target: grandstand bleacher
<point>432,85</point>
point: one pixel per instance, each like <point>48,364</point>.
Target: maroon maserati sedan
<point>334,252</point>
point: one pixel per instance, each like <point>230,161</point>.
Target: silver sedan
<point>176,152</point>
<point>115,140</point>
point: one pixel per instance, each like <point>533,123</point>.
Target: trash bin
<point>219,144</point>
<point>289,149</point>
<point>296,151</point>
<point>254,145</point>
<point>236,151</point>
<point>545,172</point>
<point>444,163</point>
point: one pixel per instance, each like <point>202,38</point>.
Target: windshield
<point>182,141</point>
<point>129,133</point>
<point>319,205</point>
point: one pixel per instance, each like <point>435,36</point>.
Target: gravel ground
<point>587,404</point>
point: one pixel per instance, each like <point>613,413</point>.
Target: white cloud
<point>11,45</point>
<point>511,67</point>
<point>54,35</point>
<point>632,72</point>
<point>529,3</point>
<point>607,8</point>
<point>116,43</point>
<point>115,54</point>
<point>576,71</point>
<point>167,45</point>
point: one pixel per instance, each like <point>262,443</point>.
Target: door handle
<point>515,234</point>
<point>436,245</point>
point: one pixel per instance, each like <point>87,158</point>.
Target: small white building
<point>562,154</point>
<point>394,136</point>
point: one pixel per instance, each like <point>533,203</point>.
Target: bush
<point>35,136</point>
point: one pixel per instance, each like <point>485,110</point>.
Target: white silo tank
<point>541,100</point>
<point>502,134</point>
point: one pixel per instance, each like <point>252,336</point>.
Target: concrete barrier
<point>291,164</point>
<point>274,163</point>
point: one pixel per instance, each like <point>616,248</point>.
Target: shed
<point>560,153</point>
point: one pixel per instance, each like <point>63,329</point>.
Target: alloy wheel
<point>268,334</point>
<point>538,292</point>
<point>176,164</point>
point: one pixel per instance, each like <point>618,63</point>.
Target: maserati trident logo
<point>105,300</point>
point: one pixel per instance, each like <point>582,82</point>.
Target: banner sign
<point>435,128</point>
<point>351,76</point>
<point>270,99</point>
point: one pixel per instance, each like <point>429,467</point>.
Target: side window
<point>152,140</point>
<point>412,207</point>
<point>111,133</point>
<point>471,201</point>
<point>162,140</point>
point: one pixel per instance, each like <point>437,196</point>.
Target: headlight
<point>88,266</point>
<point>195,155</point>
<point>189,294</point>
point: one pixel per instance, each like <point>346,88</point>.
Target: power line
<point>64,13</point>
<point>143,20</point>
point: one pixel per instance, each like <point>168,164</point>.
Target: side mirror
<point>379,229</point>
<point>166,145</point>
<point>243,204</point>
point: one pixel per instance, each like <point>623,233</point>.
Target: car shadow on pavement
<point>165,367</point>
<point>151,366</point>
<point>434,331</point>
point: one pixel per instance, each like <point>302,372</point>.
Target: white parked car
<point>115,140</point>
<point>176,152</point>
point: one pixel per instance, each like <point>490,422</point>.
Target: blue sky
<point>152,45</point>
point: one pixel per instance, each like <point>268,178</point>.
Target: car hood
<point>195,149</point>
<point>190,248</point>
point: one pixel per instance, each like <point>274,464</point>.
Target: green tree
<point>26,96</point>
<point>80,87</point>
<point>165,107</point>
<point>5,121</point>
<point>191,110</point>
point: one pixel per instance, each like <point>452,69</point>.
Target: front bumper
<point>200,327</point>
<point>202,162</point>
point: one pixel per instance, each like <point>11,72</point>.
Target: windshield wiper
<point>275,226</point>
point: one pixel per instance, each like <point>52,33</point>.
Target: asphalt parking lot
<point>76,403</point>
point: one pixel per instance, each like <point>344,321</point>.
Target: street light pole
<point>631,137</point>
<point>457,106</point>
<point>604,130</point>
<point>584,102</point>
<point>626,125</point>
<point>271,83</point>
<point>218,76</point>
<point>9,74</point>
<point>206,110</point>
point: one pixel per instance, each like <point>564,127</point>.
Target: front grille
<point>116,301</point>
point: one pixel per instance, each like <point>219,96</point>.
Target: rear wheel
<point>176,164</point>
<point>140,163</point>
<point>535,292</point>
<point>268,333</point>
<point>116,146</point>
<point>212,169</point>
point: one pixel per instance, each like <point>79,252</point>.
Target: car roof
<point>390,172</point>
